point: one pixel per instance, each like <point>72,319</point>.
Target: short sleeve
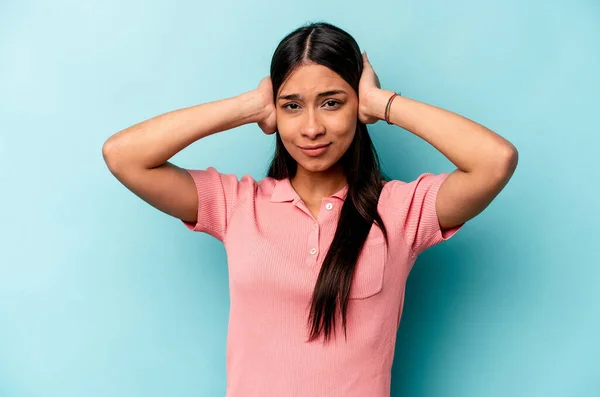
<point>218,196</point>
<point>418,221</point>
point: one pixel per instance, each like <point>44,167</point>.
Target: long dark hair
<point>330,46</point>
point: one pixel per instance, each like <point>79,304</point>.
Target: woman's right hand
<point>268,118</point>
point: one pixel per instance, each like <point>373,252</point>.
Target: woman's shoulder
<point>396,190</point>
<point>244,183</point>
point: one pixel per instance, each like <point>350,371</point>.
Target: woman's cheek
<point>284,125</point>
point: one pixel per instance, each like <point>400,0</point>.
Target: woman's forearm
<point>468,145</point>
<point>153,142</point>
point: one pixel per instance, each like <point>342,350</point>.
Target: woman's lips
<point>315,152</point>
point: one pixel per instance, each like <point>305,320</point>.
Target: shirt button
<point>329,206</point>
<point>313,251</point>
<point>316,226</point>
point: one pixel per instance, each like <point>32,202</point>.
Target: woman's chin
<point>316,165</point>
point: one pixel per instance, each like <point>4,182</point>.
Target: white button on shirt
<point>329,206</point>
<point>313,251</point>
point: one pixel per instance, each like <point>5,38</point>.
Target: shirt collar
<point>283,191</point>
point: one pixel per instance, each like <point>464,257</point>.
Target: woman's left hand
<point>367,87</point>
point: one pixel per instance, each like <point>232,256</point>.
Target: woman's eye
<point>294,106</point>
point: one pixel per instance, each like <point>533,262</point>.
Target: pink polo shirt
<point>275,248</point>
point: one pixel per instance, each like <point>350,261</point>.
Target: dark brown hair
<point>330,46</point>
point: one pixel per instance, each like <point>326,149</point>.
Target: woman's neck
<point>313,186</point>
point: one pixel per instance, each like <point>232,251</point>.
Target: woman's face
<point>316,107</point>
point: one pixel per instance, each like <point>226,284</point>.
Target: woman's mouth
<point>314,151</point>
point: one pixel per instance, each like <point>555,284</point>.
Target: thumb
<point>365,59</point>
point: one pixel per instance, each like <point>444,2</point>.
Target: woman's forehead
<point>310,80</point>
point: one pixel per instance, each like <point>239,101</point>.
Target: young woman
<point>324,242</point>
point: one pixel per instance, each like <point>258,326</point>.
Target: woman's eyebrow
<point>298,97</point>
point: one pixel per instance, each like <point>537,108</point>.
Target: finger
<point>366,62</point>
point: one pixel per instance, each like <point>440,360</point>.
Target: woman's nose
<point>313,126</point>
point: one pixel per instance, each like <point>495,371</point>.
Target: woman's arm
<point>484,159</point>
<point>151,143</point>
<point>137,156</point>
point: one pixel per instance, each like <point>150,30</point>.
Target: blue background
<point>102,295</point>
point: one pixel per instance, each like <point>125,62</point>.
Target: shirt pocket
<point>370,267</point>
